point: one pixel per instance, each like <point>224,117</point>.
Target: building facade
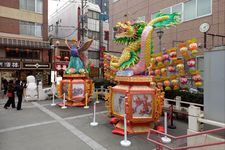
<point>194,13</point>
<point>71,21</point>
<point>24,46</point>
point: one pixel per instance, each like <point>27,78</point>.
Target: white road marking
<point>27,126</point>
<point>48,122</point>
<point>88,140</point>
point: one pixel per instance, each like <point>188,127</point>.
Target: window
<point>93,34</point>
<point>197,8</point>
<point>50,28</point>
<point>93,14</point>
<point>203,7</point>
<point>166,10</point>
<point>115,1</point>
<point>39,6</point>
<point>38,31</point>
<point>64,54</point>
<point>30,28</point>
<point>190,10</point>
<point>23,54</point>
<point>32,5</point>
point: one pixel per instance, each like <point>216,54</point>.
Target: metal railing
<point>181,142</point>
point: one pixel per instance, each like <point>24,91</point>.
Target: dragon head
<point>127,32</point>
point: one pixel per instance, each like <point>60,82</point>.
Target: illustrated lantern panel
<point>65,88</point>
<point>119,103</point>
<point>78,89</point>
<point>142,105</point>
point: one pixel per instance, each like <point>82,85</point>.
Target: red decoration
<point>66,58</point>
<point>58,57</point>
<point>92,65</point>
<point>58,67</point>
<point>64,67</point>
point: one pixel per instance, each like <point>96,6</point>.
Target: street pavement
<point>40,126</point>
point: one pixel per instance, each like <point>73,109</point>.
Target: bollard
<point>97,101</point>
<point>53,94</point>
<point>125,142</point>
<point>171,126</point>
<point>94,123</point>
<point>165,139</point>
<point>64,101</point>
<point>86,101</point>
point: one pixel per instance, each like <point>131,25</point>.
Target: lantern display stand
<point>76,85</point>
<point>135,97</point>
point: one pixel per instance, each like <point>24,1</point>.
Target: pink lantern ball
<point>197,77</point>
<point>183,80</point>
<point>191,63</point>
<point>171,69</point>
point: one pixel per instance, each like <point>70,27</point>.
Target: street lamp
<point>160,34</point>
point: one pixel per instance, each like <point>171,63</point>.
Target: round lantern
<point>159,60</point>
<point>183,80</point>
<point>175,84</point>
<point>160,85</point>
<point>171,69</point>
<point>191,64</point>
<point>166,58</point>
<point>66,58</point>
<point>164,72</point>
<point>167,85</point>
<point>157,72</point>
<point>193,46</point>
<point>183,50</point>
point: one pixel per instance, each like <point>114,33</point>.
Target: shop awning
<point>23,43</point>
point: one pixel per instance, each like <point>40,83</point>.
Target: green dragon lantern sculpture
<point>135,95</point>
<point>135,57</point>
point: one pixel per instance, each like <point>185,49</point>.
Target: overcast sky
<point>53,5</point>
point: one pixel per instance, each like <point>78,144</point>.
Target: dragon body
<point>138,37</point>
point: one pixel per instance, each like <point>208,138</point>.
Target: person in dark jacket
<point>19,93</point>
<point>11,96</point>
<point>5,85</point>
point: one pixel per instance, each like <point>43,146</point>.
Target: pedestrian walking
<point>5,85</point>
<point>11,96</point>
<point>19,93</point>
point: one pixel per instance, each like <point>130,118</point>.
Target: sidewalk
<point>41,126</point>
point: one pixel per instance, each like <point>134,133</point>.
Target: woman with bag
<point>10,95</point>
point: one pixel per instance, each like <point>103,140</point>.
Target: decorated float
<point>76,85</point>
<point>141,74</point>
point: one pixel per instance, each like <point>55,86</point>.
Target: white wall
<point>214,84</point>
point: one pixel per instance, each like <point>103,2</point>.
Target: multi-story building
<point>205,15</point>
<point>68,23</point>
<point>104,28</point>
<point>24,46</point>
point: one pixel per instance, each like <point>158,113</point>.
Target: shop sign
<point>36,66</point>
<point>9,65</point>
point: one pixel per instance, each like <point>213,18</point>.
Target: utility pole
<point>83,4</point>
<point>100,39</point>
<point>82,21</point>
